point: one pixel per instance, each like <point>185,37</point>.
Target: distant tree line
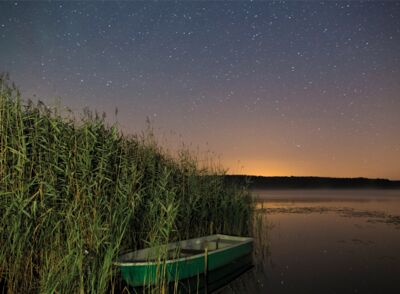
<point>259,182</point>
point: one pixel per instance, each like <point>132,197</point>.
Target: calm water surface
<point>327,241</point>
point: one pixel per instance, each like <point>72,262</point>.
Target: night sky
<point>271,88</point>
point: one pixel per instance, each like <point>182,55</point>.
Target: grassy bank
<point>76,192</point>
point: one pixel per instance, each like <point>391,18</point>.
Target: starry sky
<point>270,88</point>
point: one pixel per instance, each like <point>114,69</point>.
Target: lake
<point>327,241</point>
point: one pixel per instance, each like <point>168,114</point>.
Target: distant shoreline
<point>260,182</point>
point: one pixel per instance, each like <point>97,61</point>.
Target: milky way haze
<point>274,88</point>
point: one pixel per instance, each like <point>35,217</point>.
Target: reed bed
<point>75,192</point>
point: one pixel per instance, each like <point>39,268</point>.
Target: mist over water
<point>328,241</point>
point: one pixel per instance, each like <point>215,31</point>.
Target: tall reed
<point>76,192</point>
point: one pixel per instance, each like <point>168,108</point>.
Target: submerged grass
<point>74,193</point>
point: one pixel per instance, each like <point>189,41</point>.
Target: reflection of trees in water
<point>373,216</point>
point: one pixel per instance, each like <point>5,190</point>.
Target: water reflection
<point>328,241</point>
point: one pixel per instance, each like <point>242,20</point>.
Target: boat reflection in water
<point>215,279</point>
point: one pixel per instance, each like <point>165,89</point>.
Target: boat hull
<point>150,273</point>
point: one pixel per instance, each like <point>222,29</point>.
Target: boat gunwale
<point>184,258</point>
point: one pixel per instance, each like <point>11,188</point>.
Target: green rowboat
<point>182,260</point>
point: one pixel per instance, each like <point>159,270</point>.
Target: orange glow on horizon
<point>269,168</point>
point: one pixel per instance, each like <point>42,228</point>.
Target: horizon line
<point>326,177</point>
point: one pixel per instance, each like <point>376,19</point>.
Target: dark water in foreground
<point>327,241</point>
